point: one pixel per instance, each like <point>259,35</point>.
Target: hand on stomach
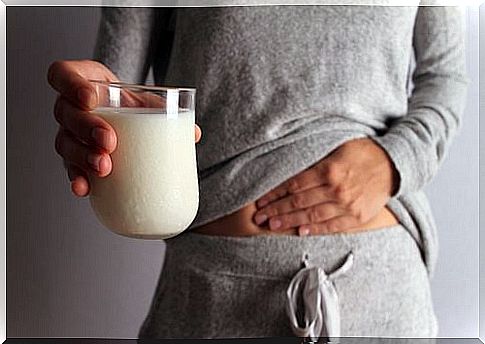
<point>241,223</point>
<point>347,191</point>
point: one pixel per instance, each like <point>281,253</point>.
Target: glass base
<point>148,236</point>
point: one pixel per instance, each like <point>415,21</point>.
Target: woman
<point>312,219</point>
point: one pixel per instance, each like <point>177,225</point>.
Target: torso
<point>281,86</point>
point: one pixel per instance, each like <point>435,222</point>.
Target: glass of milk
<point>152,191</point>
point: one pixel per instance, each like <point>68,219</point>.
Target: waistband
<point>281,256</point>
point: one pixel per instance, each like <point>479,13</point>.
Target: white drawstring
<point>320,299</point>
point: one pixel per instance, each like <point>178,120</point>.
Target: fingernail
<point>274,224</point>
<point>86,97</point>
<point>73,190</point>
<point>102,137</point>
<point>93,160</point>
<point>262,202</point>
<point>104,165</point>
<point>304,231</point>
<point>260,218</point>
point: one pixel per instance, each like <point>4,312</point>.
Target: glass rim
<point>121,84</point>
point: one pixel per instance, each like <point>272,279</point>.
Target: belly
<point>240,223</point>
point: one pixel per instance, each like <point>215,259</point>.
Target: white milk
<point>152,191</point>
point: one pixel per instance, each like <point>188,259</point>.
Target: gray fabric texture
<point>236,286</point>
<point>280,87</point>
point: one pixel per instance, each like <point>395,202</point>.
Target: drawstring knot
<point>320,300</point>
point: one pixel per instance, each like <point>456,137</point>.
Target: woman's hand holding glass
<point>338,194</point>
<point>85,141</point>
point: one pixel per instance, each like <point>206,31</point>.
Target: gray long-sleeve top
<point>280,87</point>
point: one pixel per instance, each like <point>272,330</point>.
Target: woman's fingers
<point>294,202</point>
<point>79,180</point>
<point>64,77</point>
<point>71,80</point>
<point>305,180</point>
<point>76,153</point>
<point>85,126</point>
<point>277,193</point>
<point>198,133</point>
<point>81,130</point>
<point>316,214</point>
<point>144,99</point>
<point>343,223</point>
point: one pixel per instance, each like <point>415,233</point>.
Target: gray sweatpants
<point>213,286</point>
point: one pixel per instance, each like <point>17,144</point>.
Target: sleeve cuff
<point>405,161</point>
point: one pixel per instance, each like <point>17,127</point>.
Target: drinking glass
<point>152,191</point>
